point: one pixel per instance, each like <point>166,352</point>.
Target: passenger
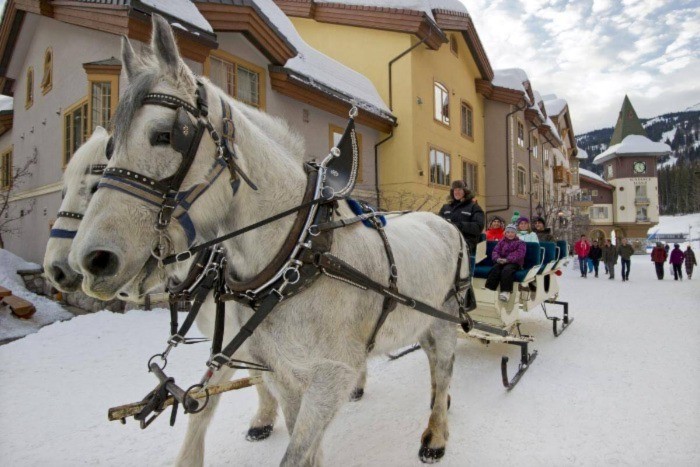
<point>496,229</point>
<point>582,248</point>
<point>690,262</point>
<point>610,255</point>
<point>594,256</point>
<point>544,234</point>
<point>677,258</point>
<point>524,232</point>
<point>658,256</point>
<point>509,257</point>
<point>626,251</point>
<point>465,213</point>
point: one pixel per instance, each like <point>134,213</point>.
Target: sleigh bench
<point>19,307</point>
<point>5,292</point>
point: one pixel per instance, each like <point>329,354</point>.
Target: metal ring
<point>296,278</point>
<point>162,357</point>
<point>201,407</point>
<point>394,271</point>
<point>335,152</point>
<point>353,111</point>
<point>313,231</point>
<point>323,191</point>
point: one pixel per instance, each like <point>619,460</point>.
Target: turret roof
<point>627,123</point>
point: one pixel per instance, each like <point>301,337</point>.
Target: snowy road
<point>620,387</point>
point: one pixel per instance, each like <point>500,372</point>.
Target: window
<point>535,147</point>
<point>594,192</point>
<point>29,100</point>
<point>6,170</point>
<point>545,155</point>
<point>335,133</point>
<point>442,104</point>
<point>537,188</point>
<point>453,44</point>
<point>47,80</point>
<point>238,78</point>
<point>599,212</point>
<point>469,175</point>
<point>439,167</point>
<point>610,171</point>
<point>521,134</point>
<point>642,213</point>
<point>521,181</point>
<point>640,191</point>
<point>75,129</point>
<point>467,120</point>
<point>100,104</point>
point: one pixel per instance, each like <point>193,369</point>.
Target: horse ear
<point>100,131</point>
<point>132,62</point>
<point>164,45</point>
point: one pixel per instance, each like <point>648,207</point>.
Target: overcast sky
<point>593,52</point>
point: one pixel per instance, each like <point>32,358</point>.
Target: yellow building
<point>424,64</point>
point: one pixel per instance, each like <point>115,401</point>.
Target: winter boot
<point>504,296</point>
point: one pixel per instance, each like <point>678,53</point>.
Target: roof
<point>554,105</point>
<point>426,6</point>
<point>582,154</point>
<point>593,176</point>
<point>633,145</point>
<point>627,123</point>
<point>512,78</point>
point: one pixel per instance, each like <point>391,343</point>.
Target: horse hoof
<point>357,394</point>
<point>259,433</point>
<point>430,455</point>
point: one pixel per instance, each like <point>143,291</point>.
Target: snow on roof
<point>511,78</point>
<point>582,154</point>
<point>553,128</point>
<point>633,145</point>
<point>320,68</point>
<point>554,105</point>
<point>182,9</point>
<point>426,6</point>
<point>5,103</point>
<point>592,175</point>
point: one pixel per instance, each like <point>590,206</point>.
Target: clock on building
<point>640,167</point>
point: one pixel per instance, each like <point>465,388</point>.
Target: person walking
<point>509,257</point>
<point>626,251</point>
<point>610,255</point>
<point>690,262</point>
<point>594,256</point>
<point>582,248</point>
<point>658,257</point>
<point>677,258</point>
<point>465,213</point>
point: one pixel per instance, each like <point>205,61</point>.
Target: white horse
<point>80,182</point>
<point>315,341</point>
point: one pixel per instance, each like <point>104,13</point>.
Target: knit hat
<point>512,227</point>
<point>514,219</point>
<point>522,219</point>
<point>538,219</point>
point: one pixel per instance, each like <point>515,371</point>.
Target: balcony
<point>641,201</point>
<point>643,219</point>
<point>582,201</point>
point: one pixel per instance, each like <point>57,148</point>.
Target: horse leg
<point>359,390</point>
<point>192,450</point>
<point>264,420</point>
<point>442,336</point>
<point>330,384</point>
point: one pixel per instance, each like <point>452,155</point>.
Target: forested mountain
<point>679,173</point>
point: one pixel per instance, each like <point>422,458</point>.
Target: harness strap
<point>70,215</point>
<point>62,233</point>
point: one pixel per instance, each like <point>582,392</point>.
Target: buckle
<point>183,256</point>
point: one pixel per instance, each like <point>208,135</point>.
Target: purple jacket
<point>512,250</point>
<point>677,256</point>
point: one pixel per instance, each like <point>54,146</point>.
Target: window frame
<point>437,84</point>
<point>454,46</point>
<point>535,147</point>
<point>47,79</point>
<point>521,170</point>
<point>470,111</point>
<point>113,80</point>
<point>520,138</point>
<point>335,129</point>
<point>448,172</point>
<point>84,101</point>
<point>475,185</point>
<point>237,61</point>
<point>29,91</point>
<point>6,169</point>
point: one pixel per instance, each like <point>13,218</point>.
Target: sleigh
<point>536,285</point>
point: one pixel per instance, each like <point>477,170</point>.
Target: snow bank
<point>582,154</point>
<point>47,311</point>
<point>601,394</point>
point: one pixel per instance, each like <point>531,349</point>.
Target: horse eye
<point>94,188</point>
<point>160,139</point>
<point>110,148</point>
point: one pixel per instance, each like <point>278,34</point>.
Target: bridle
<point>94,169</point>
<point>185,138</point>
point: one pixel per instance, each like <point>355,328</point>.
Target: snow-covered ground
<point>619,387</point>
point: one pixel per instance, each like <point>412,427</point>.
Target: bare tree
<point>13,211</point>
<point>564,222</point>
<point>405,200</point>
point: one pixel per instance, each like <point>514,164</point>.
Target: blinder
<point>93,169</point>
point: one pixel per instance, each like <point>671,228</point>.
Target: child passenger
<point>509,257</point>
<point>496,229</point>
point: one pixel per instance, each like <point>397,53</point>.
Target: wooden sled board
<point>20,307</point>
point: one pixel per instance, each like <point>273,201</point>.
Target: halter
<point>185,138</point>
<point>94,169</point>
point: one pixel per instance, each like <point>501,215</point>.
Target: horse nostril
<point>58,274</point>
<point>101,263</point>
